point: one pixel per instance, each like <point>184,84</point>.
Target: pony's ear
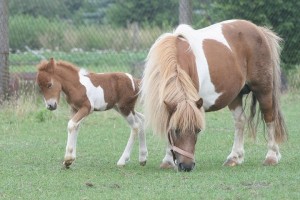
<point>171,107</point>
<point>51,65</point>
<point>199,103</point>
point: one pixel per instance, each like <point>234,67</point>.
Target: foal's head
<point>186,120</point>
<point>48,84</point>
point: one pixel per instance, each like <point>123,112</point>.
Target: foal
<point>87,92</point>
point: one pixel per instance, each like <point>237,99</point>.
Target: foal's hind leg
<point>237,153</point>
<point>135,122</point>
<point>143,152</point>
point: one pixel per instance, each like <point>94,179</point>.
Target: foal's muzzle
<point>51,106</point>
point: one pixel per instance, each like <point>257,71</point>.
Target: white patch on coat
<point>195,38</point>
<point>132,82</point>
<point>94,94</point>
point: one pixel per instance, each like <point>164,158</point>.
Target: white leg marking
<point>70,154</point>
<point>273,149</point>
<point>168,161</point>
<point>143,152</point>
<point>134,130</point>
<point>237,153</point>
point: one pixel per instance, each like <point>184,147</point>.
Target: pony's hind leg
<point>236,156</point>
<point>73,127</point>
<point>266,106</point>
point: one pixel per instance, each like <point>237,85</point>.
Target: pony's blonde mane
<point>165,80</point>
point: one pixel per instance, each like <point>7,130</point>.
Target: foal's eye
<point>49,85</point>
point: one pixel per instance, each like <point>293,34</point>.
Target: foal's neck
<point>68,77</point>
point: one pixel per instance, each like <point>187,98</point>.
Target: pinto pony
<point>87,92</point>
<point>190,72</point>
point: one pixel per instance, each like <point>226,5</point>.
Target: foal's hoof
<point>270,161</point>
<point>67,163</point>
<point>230,163</point>
<point>143,163</point>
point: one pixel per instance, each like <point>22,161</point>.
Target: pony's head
<point>49,85</point>
<point>186,120</point>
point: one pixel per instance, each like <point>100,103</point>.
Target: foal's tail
<point>280,127</point>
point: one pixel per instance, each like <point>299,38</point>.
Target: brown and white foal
<point>87,92</point>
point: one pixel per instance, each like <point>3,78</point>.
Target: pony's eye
<point>49,85</point>
<point>177,132</point>
<point>197,130</point>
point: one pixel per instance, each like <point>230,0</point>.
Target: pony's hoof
<point>270,161</point>
<point>230,163</point>
<point>166,165</point>
<point>143,163</point>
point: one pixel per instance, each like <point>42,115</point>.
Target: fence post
<point>4,50</point>
<point>185,12</point>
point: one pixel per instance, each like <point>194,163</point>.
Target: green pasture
<point>33,139</point>
<point>98,61</point>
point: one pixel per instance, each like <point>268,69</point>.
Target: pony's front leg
<point>73,127</point>
<point>236,156</point>
<point>168,161</point>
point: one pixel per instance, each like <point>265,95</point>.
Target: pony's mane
<point>165,80</point>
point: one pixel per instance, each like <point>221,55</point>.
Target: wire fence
<point>112,35</point>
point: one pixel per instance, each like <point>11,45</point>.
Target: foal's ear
<point>51,65</point>
<point>171,107</point>
<point>199,103</point>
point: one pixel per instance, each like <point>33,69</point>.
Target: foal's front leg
<point>73,127</point>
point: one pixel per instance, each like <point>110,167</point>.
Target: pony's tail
<point>280,126</point>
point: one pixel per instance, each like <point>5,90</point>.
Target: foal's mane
<point>66,65</point>
<point>165,80</point>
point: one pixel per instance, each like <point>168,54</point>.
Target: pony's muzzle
<point>186,167</point>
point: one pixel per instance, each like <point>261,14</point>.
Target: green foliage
<point>53,34</point>
<point>34,32</point>
<point>144,12</point>
<point>61,9</point>
<point>282,16</point>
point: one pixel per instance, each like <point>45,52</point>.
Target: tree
<point>282,16</point>
<point>185,12</point>
<point>4,49</point>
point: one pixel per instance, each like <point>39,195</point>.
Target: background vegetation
<point>135,24</point>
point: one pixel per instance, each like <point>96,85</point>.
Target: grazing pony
<point>190,72</point>
<point>87,92</point>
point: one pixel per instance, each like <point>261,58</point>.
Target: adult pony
<point>192,71</point>
<point>87,92</point>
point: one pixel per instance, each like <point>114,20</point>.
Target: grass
<point>32,144</point>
